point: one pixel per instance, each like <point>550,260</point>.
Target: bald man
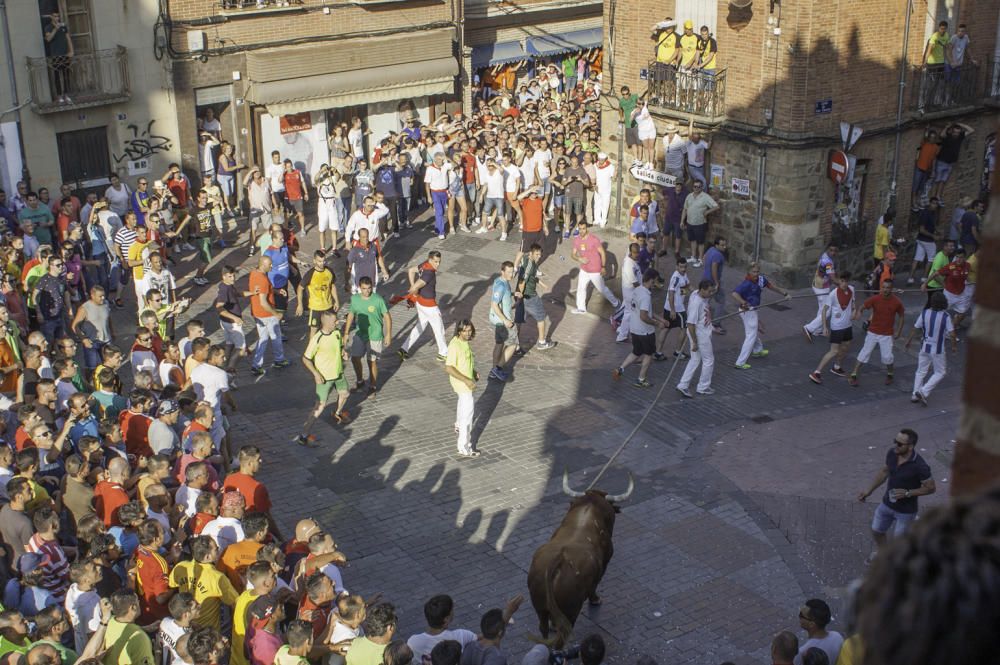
<point>109,494</point>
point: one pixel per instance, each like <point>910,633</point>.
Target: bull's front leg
<point>543,624</point>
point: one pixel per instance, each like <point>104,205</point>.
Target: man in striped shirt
<point>936,326</point>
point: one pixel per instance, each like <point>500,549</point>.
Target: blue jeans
<point>886,518</point>
<point>440,199</point>
<point>53,329</point>
<point>268,332</point>
<point>92,356</point>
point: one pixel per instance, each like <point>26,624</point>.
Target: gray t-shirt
<point>16,529</point>
<point>830,644</point>
<point>162,438</point>
<point>575,189</point>
<point>475,653</point>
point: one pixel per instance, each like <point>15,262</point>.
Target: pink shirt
<point>263,647</point>
<point>587,248</point>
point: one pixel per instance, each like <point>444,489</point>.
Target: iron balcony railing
<point>691,91</point>
<point>64,83</point>
<point>936,88</point>
<point>258,4</point>
<point>993,79</point>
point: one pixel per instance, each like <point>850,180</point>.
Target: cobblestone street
<point>743,505</point>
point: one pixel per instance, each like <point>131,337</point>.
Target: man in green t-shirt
<point>626,104</point>
<point>299,636</point>
<point>39,214</point>
<point>324,358</point>
<point>369,315</point>
<point>937,44</point>
<point>13,632</point>
<point>461,368</point>
<point>941,259</point>
<point>529,303</point>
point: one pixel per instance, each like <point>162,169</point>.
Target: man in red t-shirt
<point>266,317</point>
<point>532,212</point>
<point>884,326</point>
<point>135,422</point>
<point>152,574</point>
<point>955,275</point>
<point>317,602</point>
<point>254,492</point>
<point>109,494</point>
<point>295,192</point>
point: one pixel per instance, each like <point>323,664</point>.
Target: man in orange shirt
<point>534,228</point>
<point>237,557</point>
<point>267,318</point>
<point>109,494</point>
<point>254,492</point>
<point>926,154</point>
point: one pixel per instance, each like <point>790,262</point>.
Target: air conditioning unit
<point>196,41</point>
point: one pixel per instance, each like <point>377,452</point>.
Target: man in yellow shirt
<point>666,41</point>
<point>324,358</point>
<point>125,643</point>
<point>320,284</point>
<point>262,577</point>
<point>937,44</point>
<point>137,260</point>
<point>461,368</point>
<point>689,46</point>
<point>200,578</point>
<point>883,237</point>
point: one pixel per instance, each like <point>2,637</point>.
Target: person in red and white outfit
<point>602,189</point>
<point>436,181</point>
<point>423,292</point>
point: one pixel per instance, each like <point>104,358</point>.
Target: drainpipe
<point>899,103</point>
<point>761,172</point>
<point>15,102</point>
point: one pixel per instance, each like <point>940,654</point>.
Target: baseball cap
<point>167,407</point>
<point>261,610</point>
<point>28,562</point>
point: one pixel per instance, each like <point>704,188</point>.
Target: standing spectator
<point>883,330</point>
<point>199,577</point>
<point>842,307</point>
<point>699,332</point>
<point>923,167</point>
<point>15,525</point>
<point>645,133</point>
<point>59,54</point>
<point>125,642</point>
<point>118,195</point>
<point>530,303</point>
<point>380,627</point>
<point>715,260</point>
<point>266,317</point>
<point>674,150</point>
<point>927,220</point>
<point>694,217</point>
<point>502,317</point>
<point>296,192</point>
<point>696,149</point>
<point>52,301</point>
<point>908,477</point>
<point>262,202</point>
<point>460,366</point>
<point>436,184</point>
<point>883,234</point>
<point>814,617</point>
<point>784,648</point>
<point>971,223</point>
<point>949,152</point>
<point>603,186</point>
<point>244,481</point>
<point>41,216</point>
<point>932,89</point>
<point>748,295</point>
<point>936,326</point>
<point>588,251</point>
<point>955,275</point>
<point>627,103</point>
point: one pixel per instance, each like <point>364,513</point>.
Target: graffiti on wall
<point>142,144</point>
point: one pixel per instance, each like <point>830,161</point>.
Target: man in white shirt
<point>365,217</point>
<point>226,529</point>
<point>439,612</point>
<point>842,308</point>
<point>543,168</point>
<point>347,620</point>
<point>276,177</point>
<point>605,172</point>
<point>699,331</point>
<point>643,328</point>
<point>511,187</point>
<point>674,151</point>
<point>356,137</point>
<point>673,310</point>
<point>696,149</point>
<point>436,183</point>
<point>493,207</point>
<point>631,279</point>
<point>211,383</point>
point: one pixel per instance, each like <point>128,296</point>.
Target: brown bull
<point>566,570</point>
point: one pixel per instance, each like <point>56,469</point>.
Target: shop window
<point>84,155</point>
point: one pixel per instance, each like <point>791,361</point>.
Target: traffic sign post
<point>653,177</point>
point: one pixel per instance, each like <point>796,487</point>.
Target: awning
<point>497,54</point>
<point>578,40</point>
<point>359,86</point>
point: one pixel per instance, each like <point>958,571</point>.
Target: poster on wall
<point>741,187</point>
<point>304,142</point>
<point>718,174</point>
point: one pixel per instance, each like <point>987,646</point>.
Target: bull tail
<point>560,622</point>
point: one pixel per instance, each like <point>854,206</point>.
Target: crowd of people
<point>135,528</point>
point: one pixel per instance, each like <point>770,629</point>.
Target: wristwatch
<point>907,494</point>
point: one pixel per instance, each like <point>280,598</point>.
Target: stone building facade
<point>790,74</point>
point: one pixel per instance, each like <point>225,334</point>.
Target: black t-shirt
<point>229,298</point>
<point>60,42</point>
<point>203,221</point>
<point>50,297</point>
<point>907,476</point>
<point>429,277</point>
<point>950,147</point>
<point>928,224</point>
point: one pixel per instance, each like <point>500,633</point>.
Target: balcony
<point>692,92</point>
<point>933,89</point>
<point>993,80</point>
<point>230,7</point>
<point>64,83</point>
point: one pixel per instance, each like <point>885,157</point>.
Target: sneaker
<point>922,397</point>
<point>469,454</point>
<point>683,355</point>
<point>441,357</point>
<point>707,391</point>
<point>187,247</point>
<point>852,380</point>
<point>481,230</point>
<point>544,345</point>
<point>809,337</point>
<point>232,381</point>
<point>342,418</point>
<point>465,229</point>
<point>642,383</point>
<point>888,379</point>
<point>815,377</point>
<point>616,373</point>
<point>763,353</point>
<point>743,366</point>
<point>576,233</point>
<point>408,225</point>
<point>310,441</point>
<point>403,355</point>
<point>839,371</point>
<point>659,357</point>
<point>685,392</point>
<point>440,236</point>
<point>200,281</point>
<point>257,371</point>
<point>222,243</point>
<point>395,234</point>
<point>565,235</point>
<point>253,250</point>
<point>503,236</point>
<point>280,364</point>
<point>498,374</point>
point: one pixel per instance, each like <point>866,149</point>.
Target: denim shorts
<point>886,518</point>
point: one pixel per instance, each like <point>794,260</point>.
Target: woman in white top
<point>647,132</point>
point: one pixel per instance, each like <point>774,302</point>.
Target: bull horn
<point>566,488</point>
<point>618,498</point>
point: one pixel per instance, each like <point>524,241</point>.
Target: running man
<point>673,310</point>
<point>699,331</point>
<point>883,330</point>
<point>842,307</point>
<point>823,281</point>
<point>373,332</point>
<point>748,294</point>
<point>642,330</point>
<point>324,358</point>
<point>588,251</point>
<point>936,325</point>
<point>423,292</point>
<point>461,368</point>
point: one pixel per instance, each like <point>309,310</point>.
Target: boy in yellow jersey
<point>324,358</point>
<point>321,285</point>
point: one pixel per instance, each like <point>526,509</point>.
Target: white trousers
<point>815,327</point>
<point>463,421</point>
<point>924,363</point>
<point>705,357</point>
<point>623,328</point>
<point>602,203</point>
<point>428,316</point>
<point>598,282</point>
<point>884,344</point>
<point>751,340</point>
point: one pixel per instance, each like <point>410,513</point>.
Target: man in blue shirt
<point>280,268</point>
<point>747,294</point>
<point>502,318</point>
<point>715,259</point>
